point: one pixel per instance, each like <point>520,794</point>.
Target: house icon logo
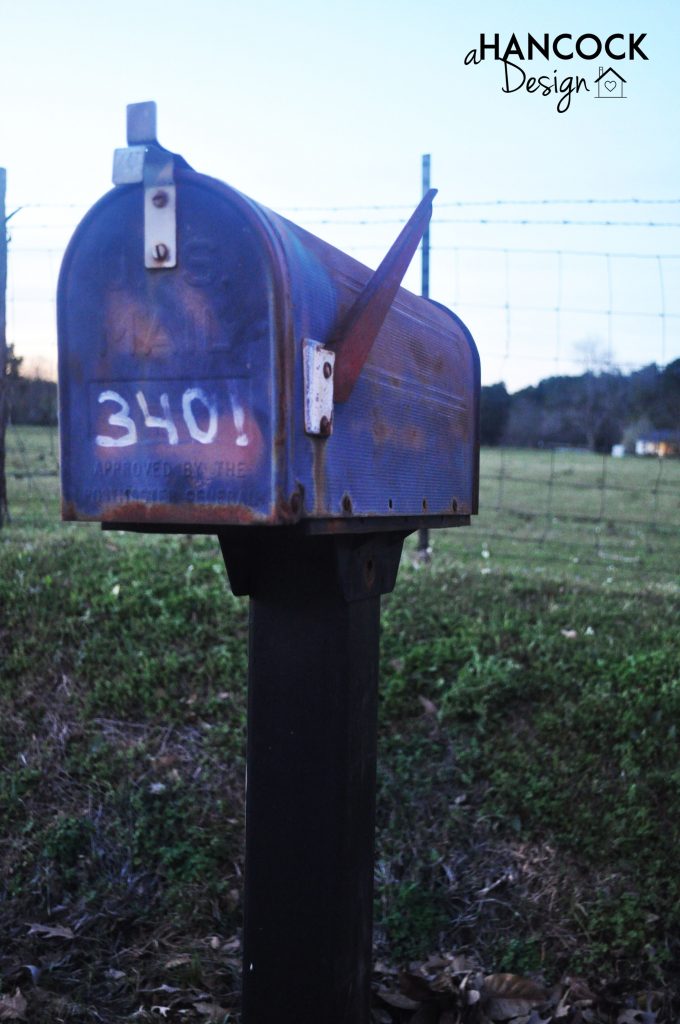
<point>610,85</point>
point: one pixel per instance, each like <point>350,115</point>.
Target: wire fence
<point>545,294</point>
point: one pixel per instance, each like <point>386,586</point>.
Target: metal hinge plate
<point>145,161</point>
<point>160,227</point>
<point>319,366</point>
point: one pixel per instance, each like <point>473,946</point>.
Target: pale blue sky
<point>308,104</point>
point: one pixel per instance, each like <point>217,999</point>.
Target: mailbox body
<point>182,390</point>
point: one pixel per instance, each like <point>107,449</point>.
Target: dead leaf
<point>383,968</point>
<point>570,634</point>
<point>462,964</point>
<point>163,1010</point>
<point>178,961</point>
<point>211,1011</point>
<point>509,995</point>
<point>636,1017</point>
<point>114,975</point>
<point>415,987</point>
<point>428,706</point>
<point>13,1007</point>
<point>578,991</point>
<point>232,945</point>
<point>427,1013</point>
<point>49,931</point>
<point>396,999</point>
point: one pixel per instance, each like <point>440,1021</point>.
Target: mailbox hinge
<point>144,160</point>
<point>318,366</point>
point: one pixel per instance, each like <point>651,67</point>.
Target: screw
<point>160,199</point>
<point>324,426</point>
<point>347,503</point>
<point>161,252</point>
<point>327,370</point>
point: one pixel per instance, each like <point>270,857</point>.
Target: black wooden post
<point>310,802</point>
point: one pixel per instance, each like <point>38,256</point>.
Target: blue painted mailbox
<point>219,365</point>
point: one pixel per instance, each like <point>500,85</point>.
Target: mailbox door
<point>169,377</point>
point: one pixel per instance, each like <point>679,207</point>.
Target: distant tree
<point>522,429</point>
<point>34,402</point>
<point>643,386</point>
<point>12,364</point>
<point>668,402</point>
<point>494,411</point>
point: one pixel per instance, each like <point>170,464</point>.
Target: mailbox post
<point>223,371</point>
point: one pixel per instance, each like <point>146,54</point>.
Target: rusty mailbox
<point>222,370</point>
<point>219,365</point>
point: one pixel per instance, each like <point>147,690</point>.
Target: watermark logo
<point>514,55</point>
<point>610,85</point>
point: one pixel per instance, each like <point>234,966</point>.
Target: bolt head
<point>325,426</point>
<point>160,199</point>
<point>161,252</point>
<point>327,370</point>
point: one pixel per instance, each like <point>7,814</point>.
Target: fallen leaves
<point>452,989</point>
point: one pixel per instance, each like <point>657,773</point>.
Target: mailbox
<point>221,366</point>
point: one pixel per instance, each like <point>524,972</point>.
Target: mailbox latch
<point>319,367</point>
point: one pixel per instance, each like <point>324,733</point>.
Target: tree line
<point>595,410</point>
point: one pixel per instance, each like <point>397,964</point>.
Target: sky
<point>322,111</point>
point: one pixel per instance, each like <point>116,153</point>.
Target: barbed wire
<point>588,201</point>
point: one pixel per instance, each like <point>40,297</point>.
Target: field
<point>529,779</point>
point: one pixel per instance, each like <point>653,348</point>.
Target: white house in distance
<point>658,442</point>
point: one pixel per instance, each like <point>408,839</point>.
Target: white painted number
<point>199,395</point>
<point>118,419</point>
<point>239,422</point>
<point>163,423</point>
<point>203,434</point>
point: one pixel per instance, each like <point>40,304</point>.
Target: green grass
<point>529,788</point>
<point>577,516</point>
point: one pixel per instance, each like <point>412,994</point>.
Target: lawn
<point>529,777</point>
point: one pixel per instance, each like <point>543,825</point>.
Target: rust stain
<point>319,473</point>
<point>289,510</point>
<point>69,512</point>
<point>187,512</point>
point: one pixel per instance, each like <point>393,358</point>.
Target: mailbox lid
<point>169,378</point>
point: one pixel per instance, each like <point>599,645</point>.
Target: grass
<point>529,788</point>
